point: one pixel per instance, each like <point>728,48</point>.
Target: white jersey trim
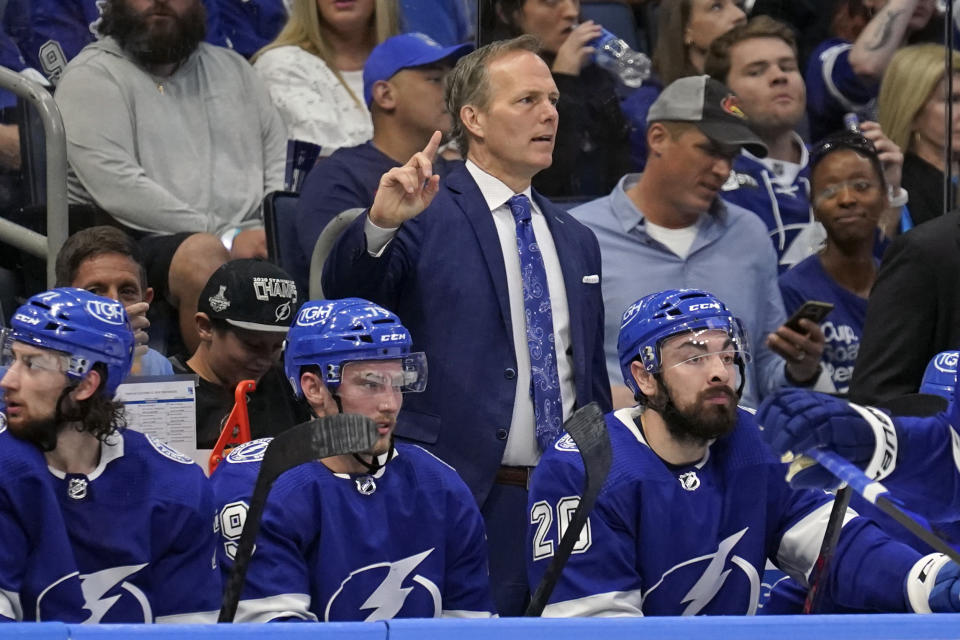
<point>613,604</point>
<point>111,448</point>
<point>194,617</point>
<point>10,605</point>
<point>461,613</point>
<point>284,605</point>
<point>800,544</point>
<point>626,417</point>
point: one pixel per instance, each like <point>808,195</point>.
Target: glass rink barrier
<point>832,627</point>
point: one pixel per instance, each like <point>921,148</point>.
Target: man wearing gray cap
<point>666,228</point>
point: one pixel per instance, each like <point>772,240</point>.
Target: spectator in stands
<point>843,74</point>
<point>591,150</point>
<point>849,196</point>
<point>106,261</point>
<point>912,109</point>
<point>314,68</point>
<point>449,22</point>
<point>250,25</point>
<point>447,260</point>
<point>667,228</point>
<point>59,29</point>
<point>403,88</point>
<point>242,318</point>
<point>171,136</point>
<point>685,30</point>
<point>758,62</point>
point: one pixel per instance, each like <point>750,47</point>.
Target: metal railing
<point>43,246</point>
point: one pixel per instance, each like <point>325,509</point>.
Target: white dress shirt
<point>522,448</point>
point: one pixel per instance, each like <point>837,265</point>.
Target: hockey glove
<point>933,585</point>
<point>797,420</point>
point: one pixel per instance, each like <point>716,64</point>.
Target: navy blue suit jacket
<point>444,275</point>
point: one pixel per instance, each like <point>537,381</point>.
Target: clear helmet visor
<point>32,358</point>
<point>364,378</point>
<point>722,340</point>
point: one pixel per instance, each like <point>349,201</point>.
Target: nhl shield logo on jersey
<point>77,488</point>
<point>167,451</point>
<point>366,485</point>
<point>3,421</point>
<point>249,451</point>
<point>566,443</point>
<point>689,480</point>
<point>384,590</point>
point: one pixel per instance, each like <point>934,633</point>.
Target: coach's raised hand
<point>406,191</point>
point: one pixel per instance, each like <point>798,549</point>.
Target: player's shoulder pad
<point>419,452</point>
<point>167,451</point>
<point>252,451</point>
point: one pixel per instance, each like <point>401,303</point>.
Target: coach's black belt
<point>514,476</point>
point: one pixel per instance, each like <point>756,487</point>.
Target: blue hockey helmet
<point>940,378</point>
<point>649,321</point>
<point>86,327</point>
<point>332,333</point>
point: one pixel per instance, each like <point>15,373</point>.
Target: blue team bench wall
<point>850,627</point>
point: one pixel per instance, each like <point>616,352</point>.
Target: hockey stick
<point>876,494</point>
<point>830,537</point>
<point>589,430</point>
<point>319,438</point>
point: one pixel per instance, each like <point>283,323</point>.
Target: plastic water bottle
<point>616,56</point>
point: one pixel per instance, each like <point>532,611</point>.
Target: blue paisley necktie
<point>544,379</point>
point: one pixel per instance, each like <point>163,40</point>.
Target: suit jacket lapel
<point>468,198</point>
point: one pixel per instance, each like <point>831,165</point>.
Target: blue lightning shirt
<point>667,540</point>
<point>405,542</point>
<point>833,89</point>
<point>779,193</point>
<point>141,529</point>
<point>38,576</point>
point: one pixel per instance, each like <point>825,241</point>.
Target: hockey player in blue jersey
<point>137,514</point>
<point>695,504</point>
<point>392,532</point>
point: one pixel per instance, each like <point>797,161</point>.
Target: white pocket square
<point>591,279</point>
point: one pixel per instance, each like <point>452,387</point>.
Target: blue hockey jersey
<point>141,530</point>
<point>407,541</point>
<point>833,89</point>
<point>779,193</point>
<point>38,576</point>
<point>665,540</point>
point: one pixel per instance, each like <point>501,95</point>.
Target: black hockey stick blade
<point>589,431</point>
<point>306,442</point>
<point>830,537</point>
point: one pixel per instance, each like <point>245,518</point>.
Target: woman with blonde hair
<point>912,111</point>
<point>314,68</point>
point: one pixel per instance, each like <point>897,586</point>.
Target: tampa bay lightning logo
<point>109,596</point>
<point>168,452</point>
<point>106,310</point>
<point>708,573</point>
<point>385,590</point>
<point>566,443</point>
<point>249,451</point>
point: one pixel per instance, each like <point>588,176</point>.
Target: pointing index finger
<point>431,149</point>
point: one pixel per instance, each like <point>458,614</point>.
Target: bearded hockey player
<point>695,504</point>
<point>135,513</point>
<point>391,532</point>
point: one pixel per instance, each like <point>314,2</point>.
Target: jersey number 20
<point>542,515</point>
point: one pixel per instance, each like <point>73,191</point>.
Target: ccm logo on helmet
<point>22,317</point>
<point>109,312</point>
<point>705,305</point>
<point>310,316</point>
<point>393,336</point>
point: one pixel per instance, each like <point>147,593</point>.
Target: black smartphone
<point>811,310</point>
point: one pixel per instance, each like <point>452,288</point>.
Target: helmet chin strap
<point>371,467</point>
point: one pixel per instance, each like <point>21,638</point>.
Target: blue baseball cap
<point>402,52</point>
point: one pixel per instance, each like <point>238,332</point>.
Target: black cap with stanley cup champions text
<point>712,107</point>
<point>250,294</point>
